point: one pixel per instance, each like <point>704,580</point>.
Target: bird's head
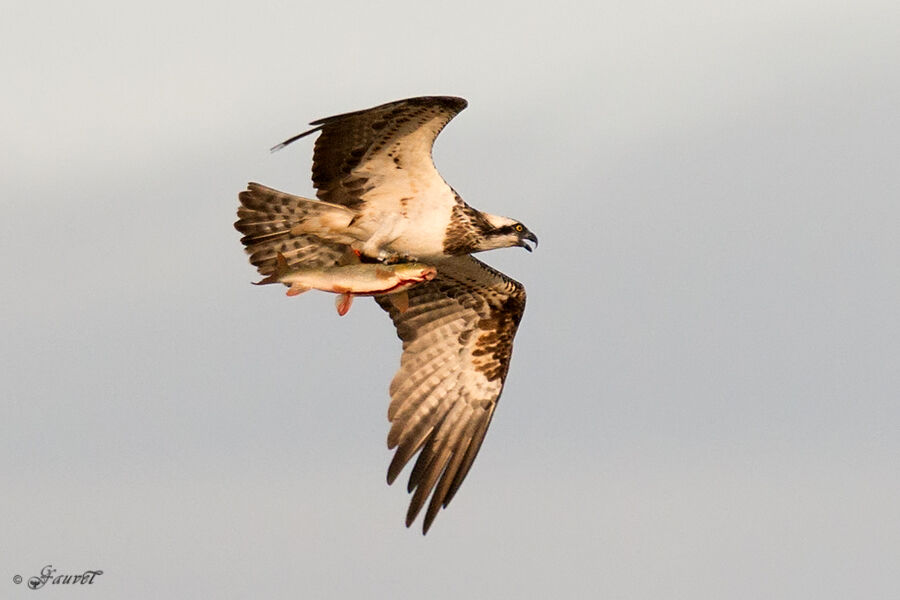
<point>506,232</point>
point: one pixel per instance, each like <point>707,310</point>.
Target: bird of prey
<point>380,196</point>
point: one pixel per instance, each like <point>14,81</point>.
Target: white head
<point>504,233</point>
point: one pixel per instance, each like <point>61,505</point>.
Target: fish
<point>348,281</point>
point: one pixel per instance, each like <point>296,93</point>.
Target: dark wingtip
<point>452,102</point>
<point>426,523</point>
<point>291,140</point>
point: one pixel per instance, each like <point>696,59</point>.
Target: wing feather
<point>470,454</point>
<point>381,154</point>
<point>423,412</point>
<point>424,377</point>
<point>266,217</point>
<point>457,341</point>
<point>443,485</point>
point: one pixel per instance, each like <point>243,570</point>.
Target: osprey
<point>381,197</point>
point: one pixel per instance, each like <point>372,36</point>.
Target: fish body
<point>362,279</point>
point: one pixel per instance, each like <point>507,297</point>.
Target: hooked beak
<point>527,235</point>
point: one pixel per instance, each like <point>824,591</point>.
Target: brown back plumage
<point>405,130</point>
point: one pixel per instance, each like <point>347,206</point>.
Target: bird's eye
<point>519,227</point>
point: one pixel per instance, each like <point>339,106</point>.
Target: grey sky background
<point>703,396</point>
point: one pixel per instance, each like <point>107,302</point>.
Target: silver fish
<point>362,279</point>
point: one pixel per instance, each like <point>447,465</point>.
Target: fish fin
<point>296,289</point>
<point>350,257</point>
<point>400,300</point>
<point>342,303</point>
<point>281,268</point>
<point>383,273</point>
<point>281,265</point>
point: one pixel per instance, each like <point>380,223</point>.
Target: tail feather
<point>304,231</point>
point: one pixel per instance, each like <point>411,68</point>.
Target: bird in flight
<point>380,197</point>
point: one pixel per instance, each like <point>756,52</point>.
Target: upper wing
<point>380,154</point>
<point>457,340</point>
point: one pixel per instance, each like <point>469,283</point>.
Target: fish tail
<point>281,267</point>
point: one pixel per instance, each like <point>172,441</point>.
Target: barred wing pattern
<point>265,217</point>
<point>457,341</point>
<point>381,154</point>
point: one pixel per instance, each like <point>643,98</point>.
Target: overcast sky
<point>703,398</point>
